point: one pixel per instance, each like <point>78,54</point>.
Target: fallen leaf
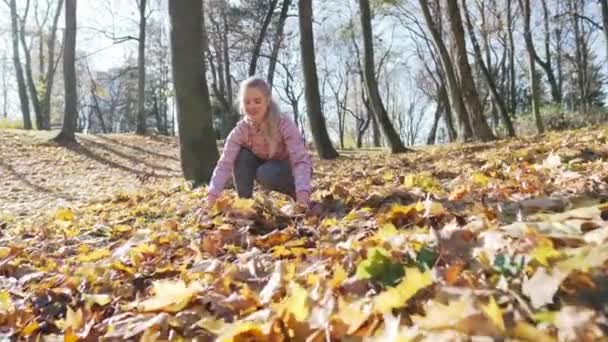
<point>170,296</point>
<point>542,286</point>
<point>397,296</point>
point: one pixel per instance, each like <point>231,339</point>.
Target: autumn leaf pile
<point>502,240</point>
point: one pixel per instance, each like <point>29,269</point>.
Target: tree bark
<point>512,85</point>
<point>70,115</point>
<point>257,47</point>
<point>51,68</point>
<point>392,138</point>
<point>318,127</point>
<point>4,86</point>
<point>502,108</point>
<point>198,148</point>
<point>478,123</point>
<point>141,70</point>
<point>547,64</point>
<point>23,98</point>
<point>278,40</point>
<point>456,103</point>
<point>525,6</point>
<point>29,73</point>
<point>604,4</point>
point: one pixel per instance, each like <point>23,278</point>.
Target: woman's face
<point>256,104</point>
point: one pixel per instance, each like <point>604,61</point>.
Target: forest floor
<point>500,239</point>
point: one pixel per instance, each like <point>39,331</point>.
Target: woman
<point>264,146</point>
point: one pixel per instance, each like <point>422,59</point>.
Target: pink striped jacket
<point>247,135</point>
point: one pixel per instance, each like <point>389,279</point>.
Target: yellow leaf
<point>73,320</point>
<point>388,176</point>
<point>329,222</point>
<point>386,232</point>
<point>494,313</point>
<point>432,208</point>
<point>545,316</point>
<point>442,316</point>
<point>99,299</point>
<point>70,336</point>
<point>312,279</point>
<point>424,181</point>
<point>6,304</point>
<point>122,228</point>
<point>169,295</point>
<point>529,332</point>
<point>30,328</point>
<point>4,252</point>
<point>480,179</point>
<point>117,265</point>
<point>353,314</point>
<point>338,277</point>
<point>95,255</point>
<point>397,296</point>
<point>544,251</point>
<point>64,215</point>
<point>212,324</point>
<point>244,205</point>
<point>297,302</point>
<point>247,331</point>
<point>584,258</point>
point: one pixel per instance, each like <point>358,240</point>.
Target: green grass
<point>9,123</point>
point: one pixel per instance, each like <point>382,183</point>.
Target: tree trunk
<point>231,113</point>
<point>257,47</point>
<point>141,70</point>
<point>198,148</point>
<point>392,138</point>
<point>456,103</point>
<point>313,99</point>
<point>4,86</point>
<point>51,68</point>
<point>502,108</point>
<point>23,98</point>
<point>70,114</point>
<point>278,40</point>
<point>512,85</point>
<point>525,6</point>
<point>547,65</point>
<point>604,4</point>
<point>433,133</point>
<point>478,123</point>
<point>447,113</point>
<point>31,84</point>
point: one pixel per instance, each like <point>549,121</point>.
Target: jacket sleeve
<point>300,160</point>
<point>224,167</point>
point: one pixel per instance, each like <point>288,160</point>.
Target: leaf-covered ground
<point>493,241</point>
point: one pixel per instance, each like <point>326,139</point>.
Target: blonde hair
<point>270,129</point>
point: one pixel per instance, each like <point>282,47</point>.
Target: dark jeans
<point>271,174</point>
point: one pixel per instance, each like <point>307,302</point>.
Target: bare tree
<point>4,74</point>
<point>318,128</point>
<point>278,41</point>
<point>525,6</point>
<point>477,121</point>
<point>141,68</point>
<point>198,149</point>
<point>257,47</point>
<point>487,74</point>
<point>371,83</point>
<point>34,94</point>
<point>51,66</point>
<point>23,98</point>
<point>70,115</point>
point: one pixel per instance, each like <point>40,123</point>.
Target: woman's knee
<point>245,158</point>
